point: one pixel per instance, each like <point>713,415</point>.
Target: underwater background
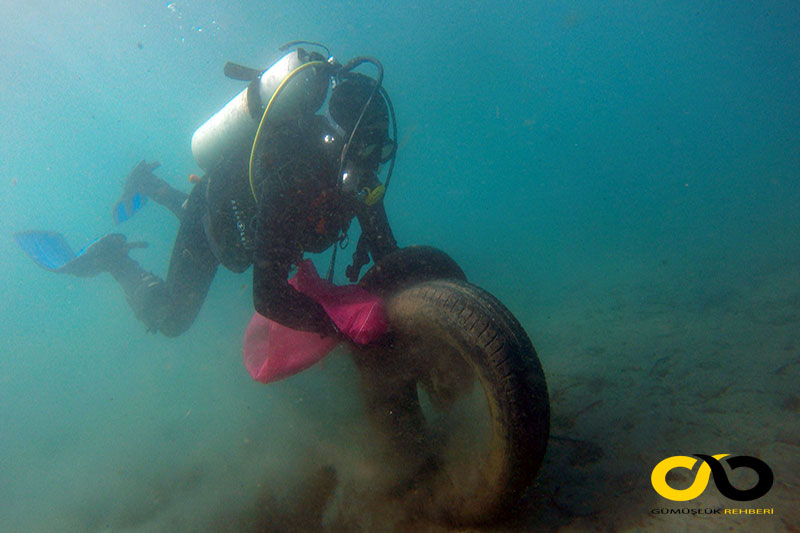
<point>624,176</point>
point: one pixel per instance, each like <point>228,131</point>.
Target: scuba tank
<point>221,145</point>
<point>234,125</point>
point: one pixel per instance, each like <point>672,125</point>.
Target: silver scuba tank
<point>234,126</point>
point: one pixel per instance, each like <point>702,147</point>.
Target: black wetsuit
<point>300,209</point>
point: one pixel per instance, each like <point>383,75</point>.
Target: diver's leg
<point>145,292</point>
<point>142,180</point>
<point>170,307</point>
<point>191,267</point>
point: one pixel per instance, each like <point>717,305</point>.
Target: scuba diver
<point>287,164</point>
<point>281,179</point>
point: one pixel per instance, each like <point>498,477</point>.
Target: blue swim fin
<point>127,207</point>
<point>48,249</point>
<point>51,251</point>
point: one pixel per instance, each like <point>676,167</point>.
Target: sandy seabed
<point>642,372</point>
<point>637,372</point>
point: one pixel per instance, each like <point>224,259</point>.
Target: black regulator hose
<point>394,135</point>
<point>342,74</point>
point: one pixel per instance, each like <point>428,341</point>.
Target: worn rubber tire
<point>458,318</point>
<point>406,266</point>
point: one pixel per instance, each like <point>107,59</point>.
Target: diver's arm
<point>375,227</point>
<point>275,250</point>
<point>376,238</point>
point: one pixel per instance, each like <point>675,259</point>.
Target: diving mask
<point>362,184</point>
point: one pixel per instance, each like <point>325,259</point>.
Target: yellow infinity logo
<point>659,477</point>
<point>711,466</point>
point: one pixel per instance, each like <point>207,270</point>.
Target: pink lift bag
<point>273,352</point>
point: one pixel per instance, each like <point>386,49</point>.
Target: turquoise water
<point>624,176</point>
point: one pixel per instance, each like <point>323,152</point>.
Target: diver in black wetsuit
<point>310,176</point>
